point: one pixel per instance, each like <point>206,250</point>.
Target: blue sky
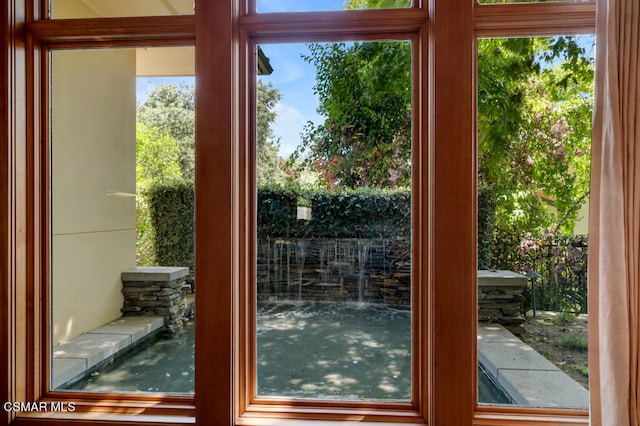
<point>297,5</point>
<point>293,77</point>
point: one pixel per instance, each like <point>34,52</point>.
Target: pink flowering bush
<point>561,260</point>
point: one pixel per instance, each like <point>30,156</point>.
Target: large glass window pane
<point>122,257</point>
<point>61,9</point>
<point>333,314</point>
<point>535,101</point>
<point>319,5</point>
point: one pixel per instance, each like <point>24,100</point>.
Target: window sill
<point>93,419</point>
<point>514,416</point>
<point>287,415</point>
<point>107,412</point>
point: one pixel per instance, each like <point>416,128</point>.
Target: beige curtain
<point>614,256</point>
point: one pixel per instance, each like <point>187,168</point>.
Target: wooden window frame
<point>361,27</point>
<point>531,20</point>
<point>444,208</point>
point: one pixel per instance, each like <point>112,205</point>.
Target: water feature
<point>334,351</point>
<point>329,351</point>
<point>164,364</point>
<point>489,391</point>
<point>363,255</point>
<point>301,253</point>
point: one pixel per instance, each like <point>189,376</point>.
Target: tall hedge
<point>171,208</point>
<point>486,225</point>
<point>363,213</point>
<point>276,212</point>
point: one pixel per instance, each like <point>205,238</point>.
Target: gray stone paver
<point>492,333</point>
<point>500,278</point>
<point>136,327</point>
<point>93,347</point>
<point>65,369</point>
<point>155,273</point>
<point>513,356</point>
<point>72,359</point>
<point>528,377</point>
<point>552,388</point>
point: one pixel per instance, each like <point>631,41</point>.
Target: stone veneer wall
<point>369,270</point>
<point>341,270</point>
<point>500,296</point>
<point>156,290</point>
<point>345,270</point>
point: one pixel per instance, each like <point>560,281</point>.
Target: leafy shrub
<point>171,208</point>
<point>362,213</point>
<point>560,260</point>
<point>486,224</point>
<point>145,233</point>
<point>168,218</point>
<point>157,162</point>
<point>563,317</point>
<point>276,212</point>
<point>582,369</point>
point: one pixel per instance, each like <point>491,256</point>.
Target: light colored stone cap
<point>155,273</point>
<point>501,278</point>
<point>527,376</point>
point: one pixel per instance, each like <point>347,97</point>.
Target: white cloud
<point>288,126</point>
<point>289,71</point>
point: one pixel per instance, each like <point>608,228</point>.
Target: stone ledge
<point>72,359</point>
<point>528,377</point>
<point>155,273</point>
<point>501,278</point>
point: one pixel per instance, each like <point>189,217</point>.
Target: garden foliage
<point>171,211</point>
<point>358,213</point>
<point>157,162</point>
<point>335,214</point>
<point>560,260</point>
<point>534,118</point>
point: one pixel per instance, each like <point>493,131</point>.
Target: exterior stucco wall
<point>166,61</point>
<point>93,100</point>
<point>61,9</point>
<point>582,225</point>
<point>115,8</point>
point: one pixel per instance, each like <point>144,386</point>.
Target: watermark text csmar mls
<point>39,406</point>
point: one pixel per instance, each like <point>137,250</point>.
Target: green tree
<point>157,156</point>
<point>365,97</point>
<point>529,90</point>
<point>270,169</point>
<point>535,99</point>
<point>171,108</point>
<point>157,162</point>
<point>376,4</point>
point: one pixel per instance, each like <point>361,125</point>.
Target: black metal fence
<point>559,260</point>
